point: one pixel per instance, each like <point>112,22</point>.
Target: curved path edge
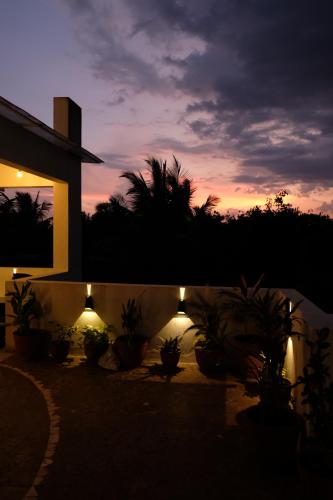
<point>54,431</point>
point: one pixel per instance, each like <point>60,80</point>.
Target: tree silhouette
<point>155,235</point>
<point>164,196</point>
<point>26,231</point>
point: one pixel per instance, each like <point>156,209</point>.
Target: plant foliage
<point>25,307</point>
<point>131,317</point>
<point>94,335</point>
<point>171,345</point>
<point>210,328</point>
<point>318,389</point>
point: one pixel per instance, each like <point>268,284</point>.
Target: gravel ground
<point>142,435</point>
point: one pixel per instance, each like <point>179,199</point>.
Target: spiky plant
<point>25,307</point>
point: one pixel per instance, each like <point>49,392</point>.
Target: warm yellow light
<point>14,270</point>
<point>182,293</point>
<point>88,289</point>
<point>289,363</point>
<point>19,174</point>
<point>89,318</point>
<point>290,306</point>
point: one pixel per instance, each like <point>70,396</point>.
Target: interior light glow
<point>88,289</point>
<point>19,174</point>
<point>182,293</point>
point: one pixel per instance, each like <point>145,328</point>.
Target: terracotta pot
<point>94,350</point>
<point>243,359</point>
<point>209,360</point>
<point>130,351</point>
<point>170,360</point>
<point>59,350</point>
<point>33,346</point>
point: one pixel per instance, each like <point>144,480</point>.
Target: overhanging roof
<point>29,122</point>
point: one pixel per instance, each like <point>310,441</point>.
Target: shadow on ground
<point>140,435</point>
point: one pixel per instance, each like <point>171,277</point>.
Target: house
<point>33,154</point>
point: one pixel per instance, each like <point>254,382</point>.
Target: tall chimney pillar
<point>67,118</point>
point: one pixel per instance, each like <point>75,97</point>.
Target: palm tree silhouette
<point>29,210</point>
<point>165,194</point>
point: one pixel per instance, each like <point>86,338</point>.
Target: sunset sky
<point>241,92</point>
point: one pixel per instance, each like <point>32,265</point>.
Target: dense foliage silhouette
<point>26,231</point>
<point>155,235</point>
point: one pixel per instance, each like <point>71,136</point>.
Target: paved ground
<point>24,428</point>
<point>139,435</point>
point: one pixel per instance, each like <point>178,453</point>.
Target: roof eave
<point>28,122</point>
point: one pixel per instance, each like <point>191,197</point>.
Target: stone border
<point>54,432</point>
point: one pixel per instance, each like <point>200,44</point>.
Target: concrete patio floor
<point>134,435</point>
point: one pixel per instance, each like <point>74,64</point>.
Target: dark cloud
<point>176,146</point>
<point>259,76</point>
<point>115,101</point>
<point>116,161</point>
<point>103,34</point>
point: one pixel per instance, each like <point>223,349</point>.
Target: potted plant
<point>170,352</point>
<point>210,330</point>
<point>30,343</point>
<point>131,346</point>
<point>244,356</point>
<point>273,319</point>
<point>269,321</point>
<point>275,426</point>
<point>61,342</point>
<point>316,443</point>
<point>95,342</point>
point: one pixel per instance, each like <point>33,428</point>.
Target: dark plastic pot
<point>170,360</point>
<point>275,396</point>
<point>59,350</point>
<point>209,360</point>
<point>33,346</point>
<point>315,459</point>
<point>94,350</point>
<point>130,351</point>
<point>274,438</point>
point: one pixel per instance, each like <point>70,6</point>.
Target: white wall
<point>63,302</point>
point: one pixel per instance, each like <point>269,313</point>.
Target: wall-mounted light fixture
<point>14,273</point>
<point>181,309</point>
<point>19,174</point>
<point>89,303</point>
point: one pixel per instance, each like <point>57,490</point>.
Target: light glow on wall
<point>182,293</point>
<point>89,318</point>
<point>289,363</point>
<point>176,326</point>
<point>19,174</point>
